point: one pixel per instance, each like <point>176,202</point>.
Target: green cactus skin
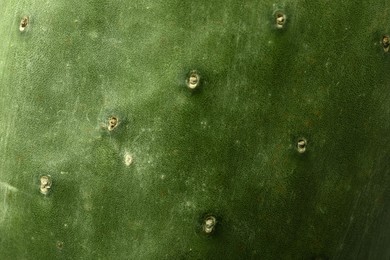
<point>176,156</point>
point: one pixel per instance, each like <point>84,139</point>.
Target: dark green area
<point>228,149</point>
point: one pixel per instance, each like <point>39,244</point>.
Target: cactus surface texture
<point>194,129</point>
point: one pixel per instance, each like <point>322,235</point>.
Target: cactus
<point>194,130</point>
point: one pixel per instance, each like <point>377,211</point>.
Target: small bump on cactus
<point>301,145</point>
<point>60,245</point>
<point>23,23</point>
<point>280,19</point>
<point>209,224</point>
<point>112,123</point>
<point>128,159</point>
<point>386,43</point>
<point>193,80</point>
<point>45,184</point>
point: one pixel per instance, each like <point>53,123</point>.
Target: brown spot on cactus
<point>301,145</point>
<point>280,19</point>
<point>386,43</point>
<point>193,80</point>
<point>46,183</point>
<point>112,123</point>
<point>23,23</point>
<point>209,224</point>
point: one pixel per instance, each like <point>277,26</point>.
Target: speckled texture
<point>227,149</point>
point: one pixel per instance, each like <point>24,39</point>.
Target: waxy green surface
<point>227,149</point>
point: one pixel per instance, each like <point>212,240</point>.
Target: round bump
<point>128,159</point>
<point>209,224</point>
<point>280,19</point>
<point>23,23</point>
<point>193,80</point>
<point>46,183</point>
<point>112,123</point>
<point>386,43</point>
<point>301,145</point>
<point>60,245</point>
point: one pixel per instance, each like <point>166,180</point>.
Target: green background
<point>227,149</point>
